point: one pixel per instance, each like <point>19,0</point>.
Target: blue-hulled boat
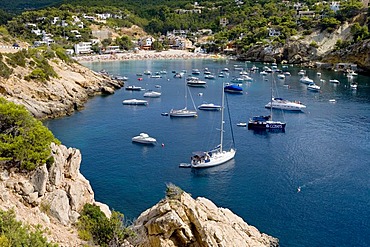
<point>233,89</point>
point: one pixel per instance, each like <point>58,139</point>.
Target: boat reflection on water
<point>267,131</point>
<point>224,168</point>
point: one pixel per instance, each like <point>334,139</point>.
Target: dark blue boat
<point>233,89</point>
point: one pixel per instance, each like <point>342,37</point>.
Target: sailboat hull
<point>183,113</point>
<point>258,123</point>
<point>217,158</point>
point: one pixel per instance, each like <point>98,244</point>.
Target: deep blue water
<point>325,150</point>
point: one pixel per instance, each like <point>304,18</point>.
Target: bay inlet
<point>324,150</point>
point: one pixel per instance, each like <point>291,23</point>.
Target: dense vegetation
<point>14,234</point>
<point>247,24</point>
<point>36,59</point>
<point>24,141</point>
<point>94,226</point>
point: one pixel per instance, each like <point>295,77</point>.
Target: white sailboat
<point>185,112</point>
<point>218,155</point>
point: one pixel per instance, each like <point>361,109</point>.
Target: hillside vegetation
<point>245,24</point>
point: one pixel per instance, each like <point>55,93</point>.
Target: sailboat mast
<point>272,80</point>
<point>186,94</point>
<point>222,117</point>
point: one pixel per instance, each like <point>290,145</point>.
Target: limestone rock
<point>26,188</point>
<point>188,222</point>
<point>58,203</point>
<point>39,179</point>
<point>107,90</point>
<point>104,208</point>
<point>59,96</point>
<point>79,193</point>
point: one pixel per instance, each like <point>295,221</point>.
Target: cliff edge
<point>181,220</point>
<point>59,96</point>
<point>50,196</point>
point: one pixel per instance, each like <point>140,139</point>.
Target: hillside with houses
<point>234,28</point>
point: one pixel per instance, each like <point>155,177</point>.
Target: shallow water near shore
<point>324,151</point>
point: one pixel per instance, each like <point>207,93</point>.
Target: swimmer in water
<point>299,189</point>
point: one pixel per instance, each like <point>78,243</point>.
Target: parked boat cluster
<point>233,86</point>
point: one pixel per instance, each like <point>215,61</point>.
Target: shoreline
<point>147,55</point>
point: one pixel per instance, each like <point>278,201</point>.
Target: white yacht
<point>134,102</point>
<point>209,107</point>
<point>195,82</point>
<point>306,80</point>
<point>313,87</point>
<point>144,138</point>
<point>152,94</point>
<point>283,104</point>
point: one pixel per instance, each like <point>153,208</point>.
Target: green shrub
<point>5,71</point>
<point>17,59</point>
<point>61,53</point>
<point>24,141</point>
<point>94,225</point>
<point>13,233</point>
<point>314,44</point>
<point>173,191</point>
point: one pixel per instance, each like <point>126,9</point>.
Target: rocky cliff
<point>50,196</point>
<point>181,220</point>
<point>59,96</point>
<point>308,49</point>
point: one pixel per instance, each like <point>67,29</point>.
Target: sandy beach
<point>144,55</point>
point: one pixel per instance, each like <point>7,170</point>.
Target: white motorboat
<point>209,76</point>
<point>354,85</point>
<point>144,138</point>
<point>334,81</point>
<point>306,80</point>
<point>133,88</point>
<point>134,102</point>
<point>279,103</point>
<point>281,76</point>
<point>195,71</point>
<point>195,82</point>
<point>313,87</point>
<point>152,94</point>
<point>218,155</point>
<point>209,107</point>
<point>241,124</point>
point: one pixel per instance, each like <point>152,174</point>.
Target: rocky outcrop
<point>305,50</point>
<point>358,54</point>
<point>59,96</point>
<point>293,52</point>
<point>50,196</point>
<point>183,221</point>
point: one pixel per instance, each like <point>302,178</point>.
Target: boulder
<point>58,203</point>
<point>39,179</point>
<point>183,221</point>
<point>26,188</point>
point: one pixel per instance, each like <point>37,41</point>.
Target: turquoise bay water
<point>325,150</point>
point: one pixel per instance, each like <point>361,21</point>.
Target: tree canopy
<point>24,140</point>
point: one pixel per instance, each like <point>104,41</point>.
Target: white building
<point>335,6</point>
<point>83,48</point>
<point>273,32</point>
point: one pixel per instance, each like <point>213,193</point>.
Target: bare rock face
<point>184,221</point>
<point>60,96</point>
<point>51,196</point>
